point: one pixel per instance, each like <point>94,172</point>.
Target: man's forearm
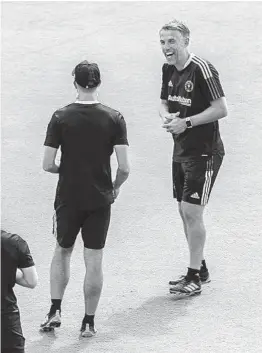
<point>163,109</point>
<point>209,115</point>
<point>52,168</point>
<point>28,280</point>
<point>20,279</point>
<point>121,177</point>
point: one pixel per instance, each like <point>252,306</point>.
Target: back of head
<point>87,75</point>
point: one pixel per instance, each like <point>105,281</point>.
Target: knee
<point>63,251</point>
<point>191,214</point>
<point>93,261</point>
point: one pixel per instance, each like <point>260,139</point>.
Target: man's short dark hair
<point>87,75</point>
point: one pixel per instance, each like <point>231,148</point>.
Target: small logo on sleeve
<point>189,86</point>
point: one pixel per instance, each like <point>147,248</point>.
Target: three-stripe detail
<point>211,77</point>
<point>191,287</point>
<point>208,181</point>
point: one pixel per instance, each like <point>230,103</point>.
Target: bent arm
<point>216,111</point>
<point>123,169</point>
<point>27,277</point>
<point>163,109</point>
<point>49,164</point>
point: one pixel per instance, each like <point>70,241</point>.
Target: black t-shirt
<point>86,134</point>
<point>190,92</point>
<point>15,254</point>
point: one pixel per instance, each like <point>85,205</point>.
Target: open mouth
<point>169,55</point>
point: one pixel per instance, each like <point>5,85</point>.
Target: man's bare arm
<point>163,109</point>
<point>49,160</point>
<point>216,111</point>
<point>123,166</point>
<point>27,277</point>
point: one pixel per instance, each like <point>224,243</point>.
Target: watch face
<point>188,123</point>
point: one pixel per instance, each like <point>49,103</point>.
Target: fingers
<point>169,116</point>
<point>116,193</point>
<point>171,123</point>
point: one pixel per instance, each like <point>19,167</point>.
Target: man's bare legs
<point>60,271</point>
<point>93,284</point>
<point>195,232</point>
<point>93,279</point>
<point>185,221</point>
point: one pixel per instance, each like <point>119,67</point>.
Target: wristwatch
<point>188,123</point>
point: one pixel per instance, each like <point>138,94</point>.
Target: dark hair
<point>87,75</point>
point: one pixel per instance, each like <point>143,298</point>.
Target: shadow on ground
<point>152,318</point>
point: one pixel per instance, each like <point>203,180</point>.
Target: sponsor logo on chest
<point>181,100</point>
<point>188,87</point>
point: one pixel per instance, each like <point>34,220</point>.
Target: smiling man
<point>192,102</point>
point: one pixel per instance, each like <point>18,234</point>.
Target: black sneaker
<point>204,276</point>
<point>87,330</point>
<point>180,280</point>
<point>51,321</point>
<point>187,288</point>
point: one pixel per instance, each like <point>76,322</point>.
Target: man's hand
<point>168,117</point>
<point>116,192</point>
<point>176,125</point>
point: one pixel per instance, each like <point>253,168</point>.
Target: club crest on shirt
<point>189,86</point>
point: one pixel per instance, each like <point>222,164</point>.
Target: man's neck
<point>87,97</point>
<point>182,61</point>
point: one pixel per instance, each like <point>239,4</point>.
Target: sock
<point>56,305</point>
<point>193,273</point>
<point>89,319</point>
<point>203,266</point>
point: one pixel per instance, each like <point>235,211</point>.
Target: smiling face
<point>174,45</point>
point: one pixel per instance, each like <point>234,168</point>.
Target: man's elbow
<point>47,167</point>
<point>32,283</point>
<point>125,170</point>
<point>223,111</point>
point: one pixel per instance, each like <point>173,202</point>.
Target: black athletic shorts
<point>194,180</point>
<point>12,340</point>
<point>68,221</point>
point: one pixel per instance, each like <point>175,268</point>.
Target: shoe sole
<point>172,284</point>
<point>51,326</point>
<point>87,334</point>
<point>180,295</point>
<point>207,281</point>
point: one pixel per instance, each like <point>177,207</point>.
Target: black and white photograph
<point>131,197</point>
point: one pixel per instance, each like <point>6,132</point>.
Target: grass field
<point>41,43</point>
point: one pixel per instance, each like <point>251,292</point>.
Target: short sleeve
<point>120,136</point>
<point>53,134</point>
<point>24,256</point>
<point>209,82</point>
<point>164,88</point>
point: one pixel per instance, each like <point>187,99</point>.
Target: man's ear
<point>75,84</point>
<point>186,41</point>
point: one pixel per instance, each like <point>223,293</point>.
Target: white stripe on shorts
<point>54,225</point>
<point>207,183</point>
